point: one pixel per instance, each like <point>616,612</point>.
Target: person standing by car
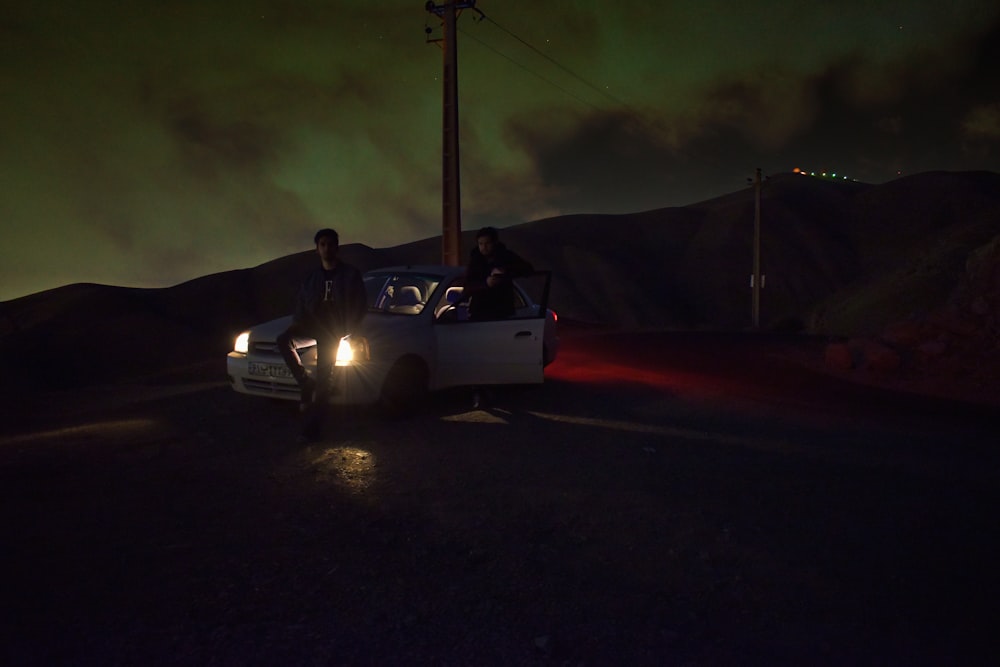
<point>492,266</point>
<point>331,303</point>
<point>488,287</point>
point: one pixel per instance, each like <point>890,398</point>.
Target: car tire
<point>405,387</point>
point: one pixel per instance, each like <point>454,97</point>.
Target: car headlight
<point>242,344</point>
<point>352,349</point>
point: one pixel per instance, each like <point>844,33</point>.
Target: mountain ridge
<point>841,258</point>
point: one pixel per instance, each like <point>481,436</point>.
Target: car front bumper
<point>353,385</point>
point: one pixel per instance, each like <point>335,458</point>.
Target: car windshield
<point>399,293</point>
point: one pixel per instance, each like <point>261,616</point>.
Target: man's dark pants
<point>289,342</point>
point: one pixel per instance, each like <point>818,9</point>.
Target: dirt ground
<point>664,500</point>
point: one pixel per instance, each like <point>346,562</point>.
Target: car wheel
<point>405,387</point>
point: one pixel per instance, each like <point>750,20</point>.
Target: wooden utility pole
<point>756,279</point>
<point>451,227</point>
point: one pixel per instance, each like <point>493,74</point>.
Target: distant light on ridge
<point>822,174</point>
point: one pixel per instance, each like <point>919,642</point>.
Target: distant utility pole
<point>755,280</point>
<point>451,228</point>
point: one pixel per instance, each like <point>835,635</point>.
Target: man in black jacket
<point>330,305</point>
<point>492,266</point>
<point>489,287</point>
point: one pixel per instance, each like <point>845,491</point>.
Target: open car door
<point>507,351</point>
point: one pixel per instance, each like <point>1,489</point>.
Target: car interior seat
<point>407,299</point>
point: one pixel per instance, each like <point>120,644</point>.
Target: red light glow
<point>590,360</point>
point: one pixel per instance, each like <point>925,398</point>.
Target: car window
<point>400,293</point>
<point>373,285</point>
<point>519,301</point>
<point>449,312</point>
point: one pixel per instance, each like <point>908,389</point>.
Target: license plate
<point>269,370</point>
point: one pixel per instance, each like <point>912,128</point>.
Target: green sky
<point>151,143</point>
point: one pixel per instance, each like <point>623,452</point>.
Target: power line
<point>643,119</point>
<point>576,76</point>
<point>655,125</point>
<point>529,70</point>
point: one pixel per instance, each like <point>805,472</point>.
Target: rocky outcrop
<point>955,349</point>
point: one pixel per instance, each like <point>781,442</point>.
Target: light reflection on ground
<point>493,416</point>
<point>589,366</point>
<point>672,435</point>
<point>348,467</point>
<point>103,431</point>
<point>665,431</point>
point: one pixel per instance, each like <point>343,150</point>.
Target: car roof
<point>440,269</point>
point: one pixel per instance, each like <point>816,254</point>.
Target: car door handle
<point>522,334</point>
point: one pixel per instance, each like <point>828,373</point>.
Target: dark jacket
<point>331,302</point>
<point>491,303</point>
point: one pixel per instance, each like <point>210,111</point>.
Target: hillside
<point>840,259</point>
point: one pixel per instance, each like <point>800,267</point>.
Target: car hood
<point>269,331</point>
<point>373,325</point>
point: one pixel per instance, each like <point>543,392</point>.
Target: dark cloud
<point>597,163</point>
<point>208,143</point>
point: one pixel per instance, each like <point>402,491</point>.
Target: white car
<point>415,338</point>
